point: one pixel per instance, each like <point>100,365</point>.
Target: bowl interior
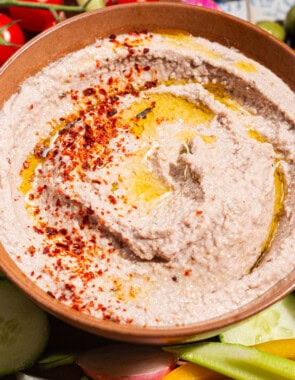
<point>84,29</point>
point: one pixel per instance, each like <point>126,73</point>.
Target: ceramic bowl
<point>82,30</point>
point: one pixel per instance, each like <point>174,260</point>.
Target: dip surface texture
<point>144,179</point>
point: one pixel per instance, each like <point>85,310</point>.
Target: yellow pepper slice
<point>191,371</point>
<point>281,347</point>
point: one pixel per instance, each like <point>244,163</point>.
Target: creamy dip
<point>144,179</point>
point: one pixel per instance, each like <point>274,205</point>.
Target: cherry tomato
<point>11,38</point>
<point>34,20</point>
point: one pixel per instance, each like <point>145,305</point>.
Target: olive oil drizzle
<point>143,117</point>
<point>278,210</point>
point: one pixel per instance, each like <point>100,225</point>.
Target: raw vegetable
<point>24,376</point>
<point>94,4</point>
<point>237,361</point>
<point>191,371</point>
<point>24,330</point>
<point>11,37</point>
<point>203,3</point>
<point>273,28</point>
<point>34,20</point>
<point>276,322</point>
<point>126,361</point>
<point>290,22</point>
<point>282,347</point>
<point>56,360</point>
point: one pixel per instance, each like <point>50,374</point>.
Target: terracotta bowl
<point>82,30</point>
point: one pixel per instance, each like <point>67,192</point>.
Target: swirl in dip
<point>145,179</point>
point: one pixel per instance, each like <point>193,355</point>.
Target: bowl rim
<point>137,334</point>
<point>131,333</point>
<point>161,4</point>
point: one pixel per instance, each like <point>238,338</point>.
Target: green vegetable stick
<point>236,361</point>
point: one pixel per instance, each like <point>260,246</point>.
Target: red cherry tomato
<point>34,20</point>
<point>9,35</point>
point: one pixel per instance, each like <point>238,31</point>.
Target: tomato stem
<point>50,7</point>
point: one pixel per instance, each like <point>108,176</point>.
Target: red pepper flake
<point>150,84</point>
<point>131,51</point>
<point>50,294</point>
<point>32,250</point>
<point>40,189</point>
<point>31,106</point>
<point>146,50</point>
<point>38,230</point>
<point>51,231</point>
<point>199,212</point>
<point>88,276</point>
<point>70,287</point>
<point>89,91</point>
<point>112,199</point>
<point>112,37</point>
<point>26,164</point>
<point>147,68</point>
<point>46,250</point>
<point>112,112</point>
<point>63,246</point>
<point>187,272</point>
<point>102,91</point>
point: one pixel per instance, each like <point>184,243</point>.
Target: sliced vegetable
<point>276,322</point>
<point>24,330</point>
<point>56,360</point>
<point>282,347</point>
<point>191,371</point>
<point>237,361</point>
<point>126,361</point>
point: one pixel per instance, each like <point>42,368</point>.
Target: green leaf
<point>236,361</point>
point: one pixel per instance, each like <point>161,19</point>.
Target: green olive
<point>273,28</point>
<point>290,22</point>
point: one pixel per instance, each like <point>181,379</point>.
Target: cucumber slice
<point>276,322</point>
<point>236,361</point>
<point>24,330</point>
